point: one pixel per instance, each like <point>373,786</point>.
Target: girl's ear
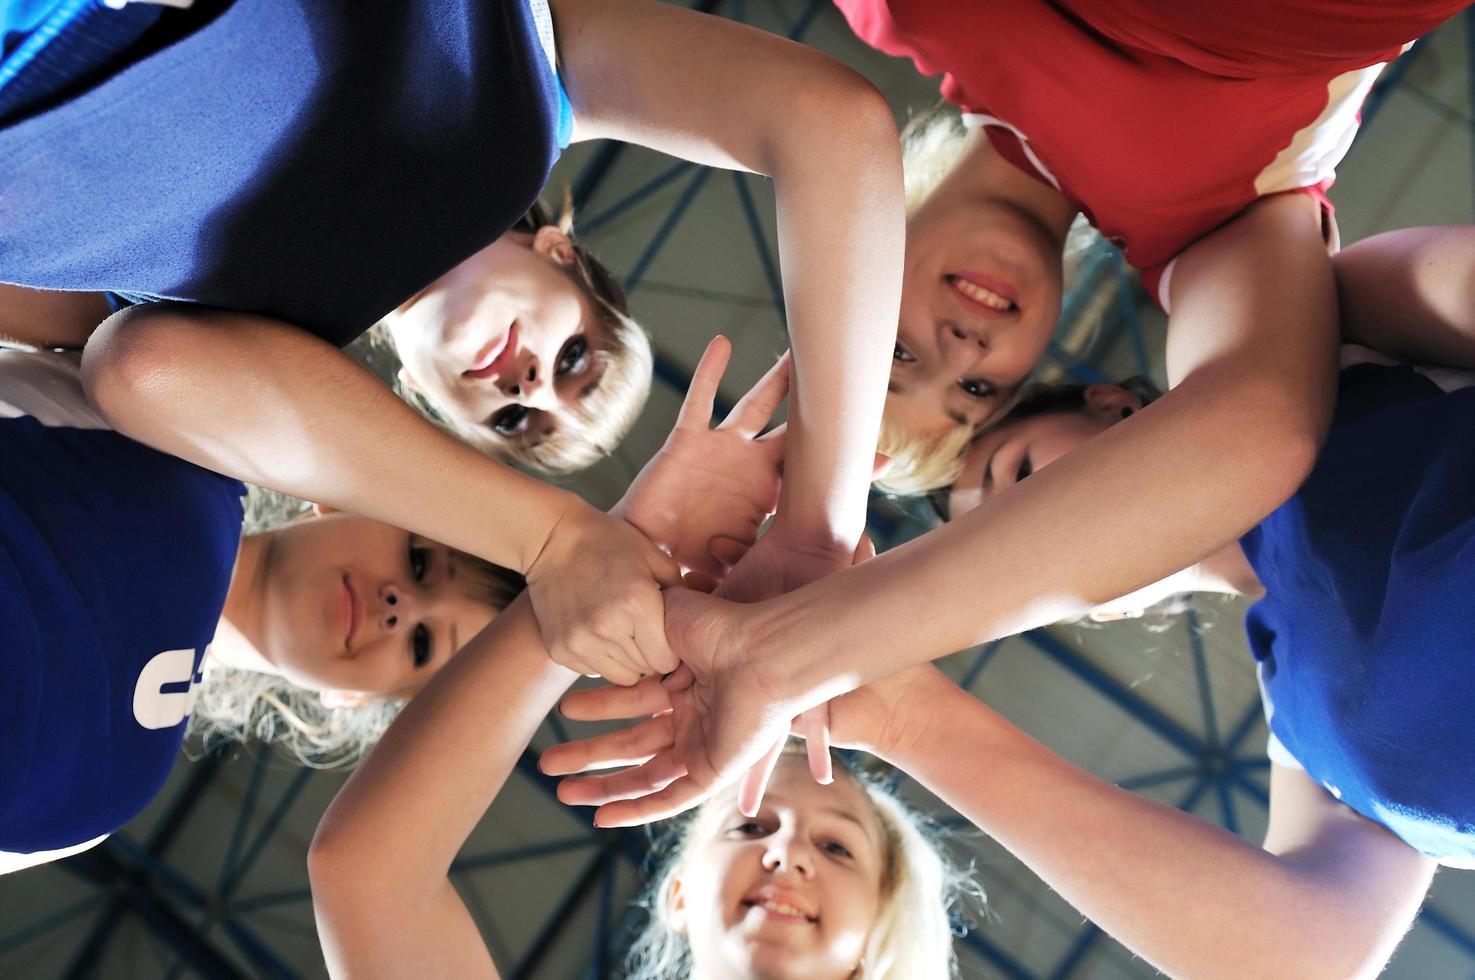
<point>333,700</point>
<point>551,242</point>
<point>676,905</point>
<point>1111,402</point>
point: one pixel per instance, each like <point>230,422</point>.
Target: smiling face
<point>351,604</point>
<point>980,297</point>
<point>791,893</point>
<point>504,344</point>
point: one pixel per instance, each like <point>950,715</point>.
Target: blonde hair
<point>626,364</point>
<point>237,705</point>
<point>912,938</point>
<point>932,145</point>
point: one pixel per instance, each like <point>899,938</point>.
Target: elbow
<point>841,116</point>
<point>131,363</point>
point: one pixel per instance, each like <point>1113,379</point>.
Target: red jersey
<point>1159,120</point>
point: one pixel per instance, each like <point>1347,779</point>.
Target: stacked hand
<point>596,586</point>
<point>713,721</point>
<point>596,590</point>
<point>712,488</point>
<point>707,726</point>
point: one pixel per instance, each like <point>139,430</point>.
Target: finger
<point>755,781</point>
<point>627,747</point>
<point>611,703</point>
<point>729,551</point>
<point>880,466</point>
<point>815,724</point>
<point>676,798</point>
<point>696,408</point>
<point>680,680</point>
<point>755,410</point>
<point>650,642</point>
<point>651,776</point>
<point>699,581</point>
<point>865,549</point>
<point>663,568</point>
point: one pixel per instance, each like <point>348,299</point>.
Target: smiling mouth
<point>496,356</point>
<point>995,297</point>
<point>782,911</point>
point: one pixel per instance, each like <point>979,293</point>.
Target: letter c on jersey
<point>152,707</point>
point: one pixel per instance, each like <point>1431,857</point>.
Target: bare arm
<point>1252,350</point>
<point>1411,294</point>
<point>1252,347</point>
<point>726,95</point>
<point>1330,894</point>
<point>380,859</point>
<point>265,402</point>
<point>48,318</point>
<point>274,405</point>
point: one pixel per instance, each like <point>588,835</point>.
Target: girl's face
<point>980,297</point>
<point>351,604</point>
<point>1007,454</point>
<point>504,343</point>
<point>790,893</point>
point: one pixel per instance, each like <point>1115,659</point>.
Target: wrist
<point>556,517</point>
<point>822,539</point>
<point>912,732</point>
<point>799,665</point>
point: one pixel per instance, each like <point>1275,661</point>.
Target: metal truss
<point>205,932</point>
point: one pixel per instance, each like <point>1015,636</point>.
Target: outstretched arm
<point>265,402</point>
<point>726,95</point>
<point>380,859</point>
<point>1252,349</point>
<point>1329,895</point>
<point>384,847</point>
<point>1410,294</point>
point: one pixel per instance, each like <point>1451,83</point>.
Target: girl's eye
<point>976,388</point>
<point>836,848</point>
<point>420,645</point>
<point>573,358</point>
<point>899,353</point>
<point>748,828</point>
<point>1025,469</point>
<point>419,563</point>
<point>509,421</point>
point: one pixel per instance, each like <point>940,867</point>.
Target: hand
<point>713,721</point>
<point>596,589</point>
<point>783,560</point>
<point>707,483</point>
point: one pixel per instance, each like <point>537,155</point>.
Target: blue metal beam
<point>1129,701</point>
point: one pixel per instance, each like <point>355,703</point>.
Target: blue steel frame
<point>137,879</point>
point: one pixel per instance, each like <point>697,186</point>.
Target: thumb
<point>879,466</point>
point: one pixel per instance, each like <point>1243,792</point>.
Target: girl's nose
<point>525,380</point>
<point>396,606</point>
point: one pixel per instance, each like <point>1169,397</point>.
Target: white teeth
<point>987,297</point>
<point>783,909</point>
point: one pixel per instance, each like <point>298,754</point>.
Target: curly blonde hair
<point>912,938</point>
<point>239,705</point>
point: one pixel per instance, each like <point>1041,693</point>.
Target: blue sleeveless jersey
<point>114,565</point>
<point>1366,638</point>
<point>317,161</point>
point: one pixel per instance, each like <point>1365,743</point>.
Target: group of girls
<point>250,183</point>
